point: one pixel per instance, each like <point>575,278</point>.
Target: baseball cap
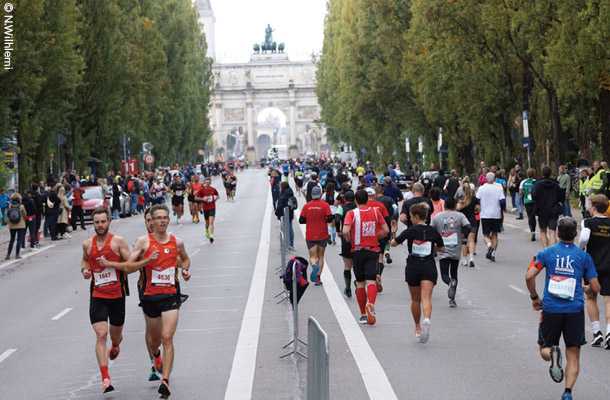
<point>316,192</point>
<point>370,191</point>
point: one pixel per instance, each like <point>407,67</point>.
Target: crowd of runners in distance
<point>442,215</point>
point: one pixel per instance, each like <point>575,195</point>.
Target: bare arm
<point>84,262</point>
<point>133,260</point>
<point>384,231</point>
<point>530,281</point>
<point>185,260</point>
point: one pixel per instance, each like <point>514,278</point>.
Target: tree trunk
<point>604,108</point>
<point>558,140</point>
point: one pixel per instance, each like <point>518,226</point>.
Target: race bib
<point>450,240</point>
<point>421,248</point>
<point>165,277</point>
<point>562,287</point>
<point>368,228</point>
<point>178,192</point>
<point>105,277</point>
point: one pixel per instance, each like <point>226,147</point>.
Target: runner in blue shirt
<point>563,302</point>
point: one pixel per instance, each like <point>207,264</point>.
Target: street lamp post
<point>440,148</point>
<point>526,138</point>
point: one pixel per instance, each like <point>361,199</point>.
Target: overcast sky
<point>241,23</point>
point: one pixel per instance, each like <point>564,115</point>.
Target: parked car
<point>93,197</point>
<point>403,181</point>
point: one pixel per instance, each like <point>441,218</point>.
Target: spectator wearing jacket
<point>16,219</point>
<point>4,203</point>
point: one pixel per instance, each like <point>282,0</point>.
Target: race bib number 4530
<point>165,277</point>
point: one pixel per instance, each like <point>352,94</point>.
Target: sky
<point>241,23</point>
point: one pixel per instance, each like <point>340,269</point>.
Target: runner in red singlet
<point>108,290</point>
<point>208,196</point>
<point>192,190</point>
<point>161,297</point>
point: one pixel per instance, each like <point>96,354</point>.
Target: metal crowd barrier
<point>317,362</point>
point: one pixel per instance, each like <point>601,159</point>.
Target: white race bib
<point>178,193</point>
<point>451,240</point>
<point>105,277</point>
<point>562,287</point>
<point>165,277</point>
<point>421,249</point>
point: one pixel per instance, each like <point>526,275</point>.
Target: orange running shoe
<point>370,314</point>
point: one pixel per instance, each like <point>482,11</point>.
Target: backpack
<point>292,203</point>
<point>528,185</point>
<point>14,214</point>
<point>301,271</point>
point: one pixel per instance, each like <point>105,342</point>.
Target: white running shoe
<point>425,331</point>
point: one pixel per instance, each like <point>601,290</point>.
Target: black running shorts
<point>209,213</point>
<point>312,243</point>
<point>569,325</point>
<point>153,307</point>
<point>604,282</point>
<point>112,310</point>
<point>177,201</point>
<point>491,225</point>
<point>365,265</point>
<point>547,222</point>
<point>414,274</point>
<point>346,249</point>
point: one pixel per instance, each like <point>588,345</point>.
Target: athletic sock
<point>371,291</point>
<point>347,276</point>
<point>361,297</point>
<point>470,258</point>
<point>595,327</point>
<point>608,328</point>
<point>380,268</point>
<point>104,372</point>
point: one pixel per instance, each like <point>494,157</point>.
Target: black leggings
<point>531,217</point>
<point>449,269</point>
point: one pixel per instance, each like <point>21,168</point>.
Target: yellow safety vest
<point>583,187</point>
<point>596,181</point>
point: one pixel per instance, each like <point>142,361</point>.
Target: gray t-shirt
<point>449,225</point>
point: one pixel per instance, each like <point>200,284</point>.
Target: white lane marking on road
<point>7,354</point>
<point>195,252</point>
<point>375,379</point>
<point>241,378</point>
<point>23,257</point>
<point>61,314</point>
<point>517,289</point>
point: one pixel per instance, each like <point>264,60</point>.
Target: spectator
<point>116,199</point>
<point>16,215</point>
<point>4,203</point>
<point>52,210</point>
<point>38,200</point>
<point>77,206</point>
<point>63,218</point>
<point>30,219</point>
<point>565,184</point>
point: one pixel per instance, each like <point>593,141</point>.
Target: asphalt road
<point>231,330</point>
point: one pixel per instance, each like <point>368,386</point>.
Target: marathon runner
<point>468,205</point>
<point>195,205</point>
<point>178,188</point>
<point>492,202</point>
<point>157,192</point>
<point>452,225</point>
<point>418,197</point>
<point>595,237</point>
<point>108,290</point>
<point>161,297</point>
<point>423,242</point>
<point>346,249</point>
<point>363,227</point>
<point>386,215</point>
<point>316,216</point>
<point>208,196</point>
<point>525,191</point>
<point>563,303</point>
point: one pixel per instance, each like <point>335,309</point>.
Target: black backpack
<point>14,214</point>
<point>292,203</point>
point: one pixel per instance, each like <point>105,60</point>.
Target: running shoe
<point>164,389</point>
<point>348,292</point>
<point>318,282</point>
<point>315,270</point>
<point>425,331</point>
<point>471,264</point>
<point>598,339</point>
<point>607,343</point>
<point>107,386</point>
<point>211,239</point>
<point>363,320</point>
<point>452,303</point>
<point>488,255</point>
<point>113,353</point>
<point>379,285</point>
<point>555,370</point>
<point>153,375</point>
<point>566,396</point>
<point>533,238</point>
<point>370,314</point>
<point>388,258</point>
<point>452,289</point>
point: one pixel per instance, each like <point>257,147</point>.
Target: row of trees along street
<point>392,69</point>
<point>88,73</point>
